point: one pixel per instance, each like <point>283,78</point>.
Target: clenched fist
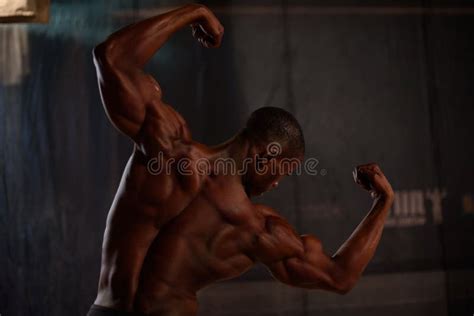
<point>208,30</point>
<point>371,178</point>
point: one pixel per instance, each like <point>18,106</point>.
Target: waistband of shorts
<point>107,311</point>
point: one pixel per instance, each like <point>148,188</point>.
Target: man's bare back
<point>173,232</point>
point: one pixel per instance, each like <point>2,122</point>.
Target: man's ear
<point>268,158</point>
<point>262,162</point>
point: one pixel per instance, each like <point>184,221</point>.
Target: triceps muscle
<point>314,269</point>
<point>126,93</point>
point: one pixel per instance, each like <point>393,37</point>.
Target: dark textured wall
<point>391,84</point>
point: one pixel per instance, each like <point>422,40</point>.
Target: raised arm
<point>301,261</point>
<point>132,98</point>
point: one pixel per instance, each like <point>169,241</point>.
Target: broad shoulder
<point>266,210</point>
<point>164,130</point>
<point>274,220</point>
<point>278,240</point>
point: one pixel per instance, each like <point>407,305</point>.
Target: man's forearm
<point>313,268</point>
<point>356,252</point>
<point>137,43</point>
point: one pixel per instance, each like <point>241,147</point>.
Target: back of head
<point>274,125</point>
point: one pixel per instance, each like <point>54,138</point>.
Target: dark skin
<point>170,234</point>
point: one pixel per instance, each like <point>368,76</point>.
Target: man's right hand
<point>371,178</point>
<point>208,30</point>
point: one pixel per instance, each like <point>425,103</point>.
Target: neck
<point>237,149</point>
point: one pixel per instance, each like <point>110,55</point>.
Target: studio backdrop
<point>385,81</point>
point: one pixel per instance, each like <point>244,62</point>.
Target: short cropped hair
<point>271,124</point>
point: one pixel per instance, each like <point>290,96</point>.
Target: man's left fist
<point>372,179</point>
